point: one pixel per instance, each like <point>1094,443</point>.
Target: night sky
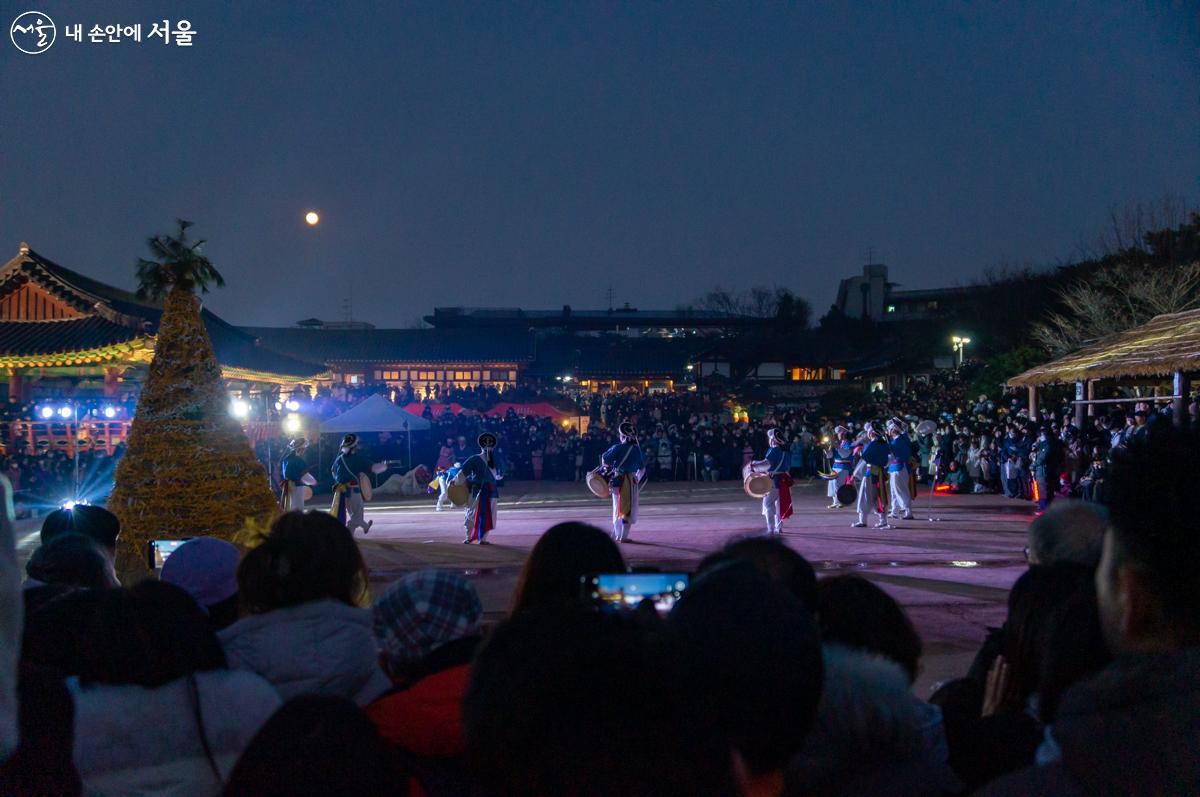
<point>535,155</point>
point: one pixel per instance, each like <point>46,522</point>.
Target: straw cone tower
<point>188,469</point>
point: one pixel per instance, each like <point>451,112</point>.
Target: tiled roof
<point>397,345</point>
<point>122,313</point>
<point>612,356</point>
<point>25,338</point>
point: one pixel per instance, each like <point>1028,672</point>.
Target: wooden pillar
<point>1181,387</point>
<point>1033,406</point>
<point>1080,392</point>
<point>1091,396</point>
<point>16,385</point>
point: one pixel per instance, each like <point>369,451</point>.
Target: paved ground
<point>951,574</point>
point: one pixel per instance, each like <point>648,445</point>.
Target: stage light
<point>47,412</point>
<point>64,412</point>
<point>292,405</point>
<point>239,409</point>
<point>292,423</point>
<point>70,504</point>
<point>278,406</point>
<point>110,412</point>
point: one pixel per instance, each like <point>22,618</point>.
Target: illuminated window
<point>487,376</point>
<point>378,375</point>
<point>891,308</point>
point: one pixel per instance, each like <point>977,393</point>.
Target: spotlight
<point>47,412</point>
<point>293,405</point>
<point>70,504</point>
<point>292,423</point>
<point>239,408</point>
<point>64,412</point>
<point>278,406</point>
<point>110,412</point>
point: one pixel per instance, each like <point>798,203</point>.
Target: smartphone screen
<point>157,551</point>
<point>624,591</point>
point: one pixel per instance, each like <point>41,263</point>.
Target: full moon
<point>312,218</point>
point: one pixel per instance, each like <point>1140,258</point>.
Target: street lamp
<point>959,346</point>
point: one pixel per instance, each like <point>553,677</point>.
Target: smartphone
<point>157,551</point>
<point>625,591</point>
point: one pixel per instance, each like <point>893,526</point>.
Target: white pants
<point>901,500</point>
<point>840,477</point>
<point>294,499</point>
<point>867,500</point>
<point>621,526</point>
<point>443,491</point>
<point>770,510</point>
<point>354,512</point>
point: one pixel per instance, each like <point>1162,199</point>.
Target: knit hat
<point>206,568</point>
<point>423,611</point>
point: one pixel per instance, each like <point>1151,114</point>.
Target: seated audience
<point>427,626</point>
<point>316,745</point>
<point>206,568</point>
<point>561,557</point>
<point>781,564</point>
<point>752,663</point>
<point>70,560</point>
<point>568,700</point>
<point>304,631</point>
<point>156,712</point>
<point>1131,729</point>
<point>856,615</point>
<point>1069,531</point>
<point>870,734</point>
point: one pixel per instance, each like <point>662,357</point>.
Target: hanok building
<point>360,354</point>
<point>64,335</point>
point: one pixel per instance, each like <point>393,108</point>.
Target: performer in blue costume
<point>870,470</point>
<point>480,472</point>
<point>841,455</point>
<point>899,454</point>
<point>777,503</point>
<point>347,493</point>
<point>625,465</point>
<point>444,479</point>
<point>295,478</point>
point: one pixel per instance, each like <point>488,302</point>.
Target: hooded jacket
<point>130,740</point>
<point>322,647</point>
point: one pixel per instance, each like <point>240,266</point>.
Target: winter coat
<point>1131,729</point>
<point>130,740</point>
<point>426,718</point>
<point>322,647</point>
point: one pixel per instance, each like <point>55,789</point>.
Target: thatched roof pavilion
<point>1165,346</point>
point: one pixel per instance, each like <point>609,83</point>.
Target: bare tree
<point>1117,298</point>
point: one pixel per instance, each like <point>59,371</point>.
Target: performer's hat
<point>774,435</point>
<point>297,444</point>
<point>349,442</point>
<point>839,429</point>
<point>895,424</point>
<point>487,440</point>
<point>869,428</point>
<point>626,430</point>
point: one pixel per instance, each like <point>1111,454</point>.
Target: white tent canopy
<point>375,414</point>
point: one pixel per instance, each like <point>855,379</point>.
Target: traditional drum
<point>755,483</point>
<point>306,492</point>
<point>846,494</point>
<point>459,491</point>
<point>364,486</point>
<point>598,484</point>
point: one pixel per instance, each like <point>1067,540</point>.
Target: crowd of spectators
<point>277,672</point>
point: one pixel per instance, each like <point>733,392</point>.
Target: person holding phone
<point>295,477</point>
<point>625,465</point>
<point>777,503</point>
<point>480,471</point>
